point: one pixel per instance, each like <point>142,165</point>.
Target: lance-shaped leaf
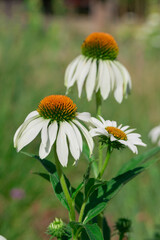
<point>104,193</point>
<point>138,160</point>
<point>54,179</point>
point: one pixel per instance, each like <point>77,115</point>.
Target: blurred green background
<point>37,42</point>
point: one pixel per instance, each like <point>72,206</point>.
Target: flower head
<point>98,69</point>
<point>59,229</point>
<point>58,121</point>
<point>114,135</point>
<point>123,225</point>
<point>100,45</point>
<point>154,135</point>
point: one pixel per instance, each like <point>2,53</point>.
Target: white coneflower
<point>58,121</point>
<point>154,135</point>
<point>116,136</point>
<point>98,68</point>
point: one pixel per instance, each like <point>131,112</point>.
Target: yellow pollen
<point>117,133</point>
<point>57,107</point>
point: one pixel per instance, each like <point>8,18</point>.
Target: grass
<point>33,56</point>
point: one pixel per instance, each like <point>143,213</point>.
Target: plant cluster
<point>67,131</point>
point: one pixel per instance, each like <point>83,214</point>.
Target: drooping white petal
<point>15,135</point>
<point>133,135</point>
<point>70,71</point>
<point>73,143</point>
<point>52,132</point>
<point>91,80</point>
<point>112,138</point>
<point>61,146</point>
<point>127,84</point>
<point>154,134</point>
<point>132,147</point>
<point>105,85</point>
<point>2,238</point>
<point>124,128</point>
<point>82,76</point>
<point>108,123</point>
<point>129,131</point>
<point>111,73</point>
<point>120,126</point>
<point>114,124</point>
<point>78,135</point>
<point>31,115</point>
<point>78,70</point>
<point>96,122</point>
<point>44,132</point>
<point>99,74</point>
<point>86,135</point>
<point>30,133</point>
<point>98,131</point>
<point>118,92</point>
<point>103,121</point>
<point>42,151</point>
<point>84,116</point>
<point>22,128</point>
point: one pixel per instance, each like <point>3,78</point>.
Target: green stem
<point>121,236</point>
<point>65,188</point>
<point>98,103</point>
<point>100,221</point>
<point>105,163</point>
<point>99,111</point>
<point>82,212</point>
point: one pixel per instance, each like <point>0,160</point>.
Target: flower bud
<point>59,229</point>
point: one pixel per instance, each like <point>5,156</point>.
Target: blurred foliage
<point>149,35</point>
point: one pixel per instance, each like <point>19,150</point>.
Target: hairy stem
<point>98,112</point>
<point>82,212</point>
<point>105,163</point>
<point>65,189</point>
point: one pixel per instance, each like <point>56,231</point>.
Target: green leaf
<point>104,193</point>
<point>43,175</point>
<point>91,232</point>
<point>87,231</point>
<point>136,161</point>
<point>78,200</point>
<point>91,186</point>
<point>106,228</point>
<point>58,189</point>
<point>51,168</point>
<point>77,190</point>
<point>54,179</point>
